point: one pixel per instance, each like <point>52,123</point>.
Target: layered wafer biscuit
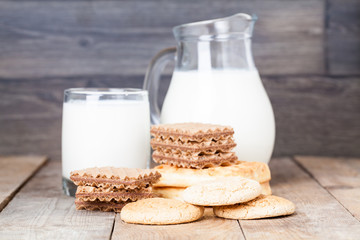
<point>195,161</point>
<point>87,193</point>
<point>110,189</point>
<point>193,145</point>
<point>172,176</point>
<point>99,205</point>
<point>121,178</point>
<point>206,146</point>
<point>191,132</point>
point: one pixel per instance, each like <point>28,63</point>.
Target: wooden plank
<point>41,211</point>
<point>314,115</point>
<point>333,172</point>
<point>343,36</point>
<point>209,227</point>
<point>349,198</point>
<point>71,38</point>
<point>31,111</point>
<point>14,172</point>
<point>318,214</point>
<point>340,176</point>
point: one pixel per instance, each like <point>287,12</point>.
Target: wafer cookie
<point>98,205</point>
<point>87,193</point>
<point>209,145</point>
<point>202,161</point>
<point>191,131</point>
<point>127,178</point>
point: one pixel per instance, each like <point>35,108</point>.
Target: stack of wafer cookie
<point>193,152</point>
<point>110,189</point>
<point>193,145</point>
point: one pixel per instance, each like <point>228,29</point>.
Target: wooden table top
<point>326,192</point>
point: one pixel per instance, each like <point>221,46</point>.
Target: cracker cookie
<point>160,211</point>
<point>261,207</point>
<point>172,176</point>
<point>176,192</point>
<point>225,191</point>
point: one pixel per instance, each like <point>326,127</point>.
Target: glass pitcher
<point>215,81</point>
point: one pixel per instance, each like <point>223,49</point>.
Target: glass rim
<point>106,91</point>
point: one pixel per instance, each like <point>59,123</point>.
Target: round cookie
<point>160,211</point>
<point>222,191</point>
<point>261,207</point>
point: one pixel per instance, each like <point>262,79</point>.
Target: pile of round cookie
<point>230,197</point>
<point>200,171</point>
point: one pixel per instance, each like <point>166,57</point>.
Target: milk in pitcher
<point>229,97</point>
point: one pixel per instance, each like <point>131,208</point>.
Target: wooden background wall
<point>307,51</point>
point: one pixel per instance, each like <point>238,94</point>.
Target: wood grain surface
<point>343,36</point>
<point>316,210</point>
<point>307,52</point>
<point>340,176</point>
<point>42,211</point>
<point>314,115</point>
<point>14,172</point>
<point>63,38</point>
<point>208,227</point>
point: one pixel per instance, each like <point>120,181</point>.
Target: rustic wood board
<point>72,38</point>
<point>349,198</point>
<point>41,211</point>
<point>343,37</point>
<point>14,172</point>
<point>340,176</point>
<point>209,227</point>
<point>318,215</point>
<point>314,115</point>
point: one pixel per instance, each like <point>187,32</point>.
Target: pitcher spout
<point>240,25</point>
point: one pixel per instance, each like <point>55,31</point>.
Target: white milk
<point>105,133</point>
<point>229,97</point>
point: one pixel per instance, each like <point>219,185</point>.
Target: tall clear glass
<point>216,81</point>
<point>104,127</point>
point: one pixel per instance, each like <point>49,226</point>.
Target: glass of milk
<point>104,127</point>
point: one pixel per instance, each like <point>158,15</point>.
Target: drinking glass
<point>104,127</point>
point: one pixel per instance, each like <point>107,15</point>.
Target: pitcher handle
<point>152,80</point>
